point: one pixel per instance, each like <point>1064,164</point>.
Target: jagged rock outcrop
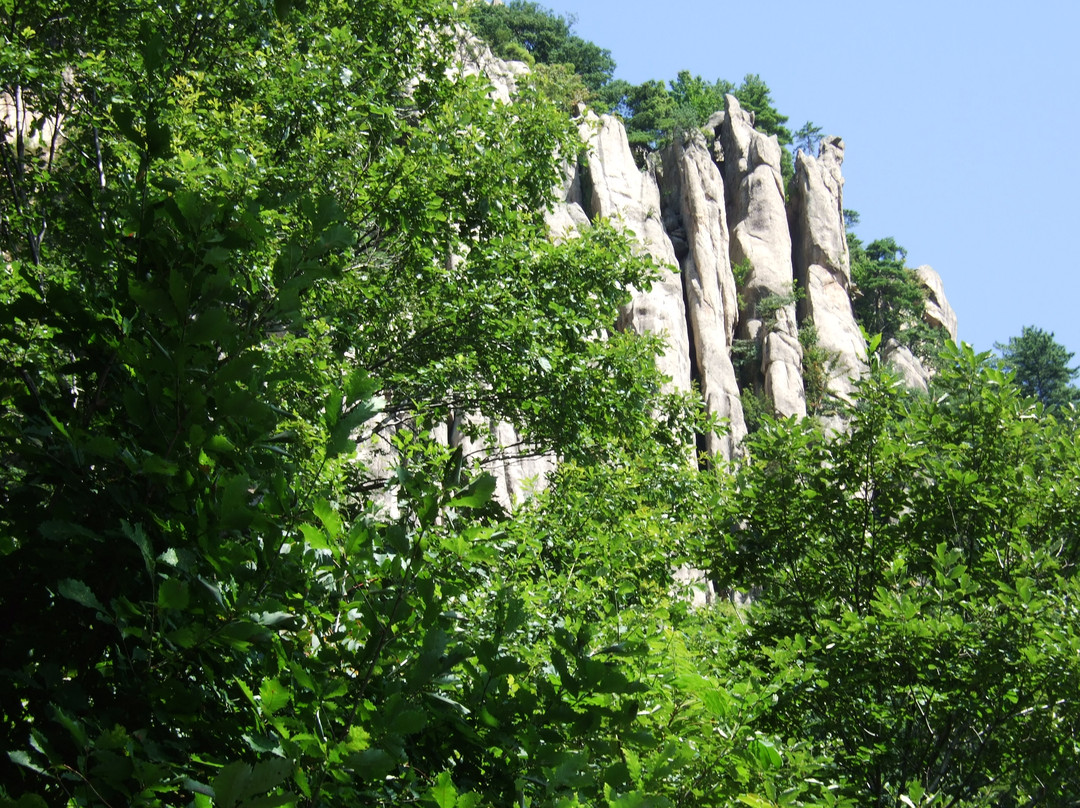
<point>564,219</point>
<point>620,191</point>
<point>692,194</point>
<point>698,210</point>
<point>760,238</point>
<point>823,266</point>
<point>938,311</point>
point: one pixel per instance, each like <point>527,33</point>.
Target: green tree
<point>1040,365</point>
<point>915,578</point>
<point>523,27</point>
<point>266,238</point>
<point>698,97</point>
<point>755,96</point>
<point>649,111</point>
<point>808,138</point>
<point>889,299</point>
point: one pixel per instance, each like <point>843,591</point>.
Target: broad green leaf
<point>273,696</point>
<point>443,791</point>
<point>268,774</point>
<point>314,537</point>
<point>23,759</point>
<point>766,754</point>
<point>476,494</point>
<point>371,764</point>
<point>754,801</point>
<point>231,784</point>
<point>173,594</point>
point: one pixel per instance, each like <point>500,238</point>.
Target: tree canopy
<point>1040,365</point>
<point>522,29</point>
<point>889,298</point>
<point>273,277</point>
<point>917,580</point>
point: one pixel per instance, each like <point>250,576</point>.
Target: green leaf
<point>173,594</point>
<point>80,593</point>
<point>210,326</point>
<point>231,784</point>
<point>754,801</point>
<point>765,753</point>
<point>314,537</point>
<point>443,791</point>
<point>371,764</point>
<point>409,722</point>
<point>476,494</point>
<point>235,499</point>
<point>138,537</point>
<point>329,518</point>
<point>273,696</point>
<point>268,774</point>
<point>21,758</point>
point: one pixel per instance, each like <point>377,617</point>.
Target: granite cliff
<point>746,266</point>
<point>708,203</point>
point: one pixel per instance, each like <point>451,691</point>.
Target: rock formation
<point>692,193</point>
<point>761,240</point>
<point>907,364</point>
<point>702,207</point>
<point>938,311</point>
<point>621,192</point>
<point>822,264</point>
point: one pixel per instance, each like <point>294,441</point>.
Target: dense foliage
<point>526,31</point>
<point>917,585</point>
<point>243,250</point>
<point>1040,365</point>
<point>259,238</point>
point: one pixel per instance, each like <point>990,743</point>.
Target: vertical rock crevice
<point>692,194</point>
<point>760,239</point>
<point>626,195</point>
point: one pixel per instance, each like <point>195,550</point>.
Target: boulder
<point>904,362</point>
<point>938,311</point>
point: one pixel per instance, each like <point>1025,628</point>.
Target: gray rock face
<point>904,362</point>
<point>692,192</point>
<point>822,264</point>
<point>938,311</point>
<point>476,59</point>
<point>620,191</point>
<point>760,239</point>
<point>565,218</point>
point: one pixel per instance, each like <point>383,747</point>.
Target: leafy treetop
<point>1041,367</point>
<point>889,299</point>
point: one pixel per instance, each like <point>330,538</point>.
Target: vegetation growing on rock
<point>269,238</point>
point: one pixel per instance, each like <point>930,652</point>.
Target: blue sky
<point>959,117</point>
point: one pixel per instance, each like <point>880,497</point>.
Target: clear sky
<point>959,118</point>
